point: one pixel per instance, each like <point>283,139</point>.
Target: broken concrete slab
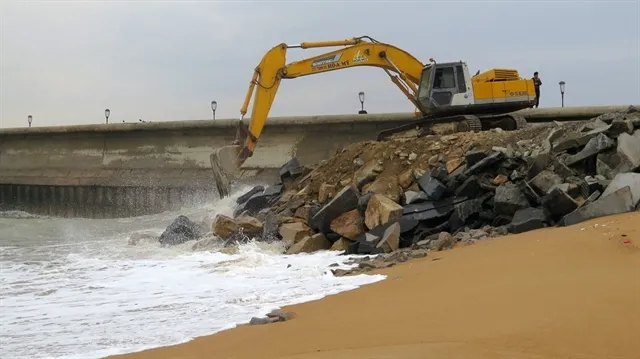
<point>620,201</point>
<point>632,180</point>
<point>629,149</point>
<point>595,145</point>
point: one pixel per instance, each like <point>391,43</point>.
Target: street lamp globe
<point>29,118</point>
<point>361,95</point>
<point>214,105</point>
<point>562,83</point>
<point>107,112</point>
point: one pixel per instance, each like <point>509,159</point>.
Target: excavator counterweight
<point>440,92</point>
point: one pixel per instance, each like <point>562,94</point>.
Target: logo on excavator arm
<point>324,62</point>
<point>359,58</point>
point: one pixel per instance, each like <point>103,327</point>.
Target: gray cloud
<point>64,62</point>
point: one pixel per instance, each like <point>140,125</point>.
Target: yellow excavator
<point>440,92</point>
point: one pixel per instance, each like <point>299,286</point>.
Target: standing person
<point>537,83</point>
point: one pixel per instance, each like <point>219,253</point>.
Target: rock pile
<point>436,191</point>
<point>396,200</point>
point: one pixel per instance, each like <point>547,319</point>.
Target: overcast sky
<point>64,62</point>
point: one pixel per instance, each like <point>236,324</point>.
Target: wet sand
<point>569,292</point>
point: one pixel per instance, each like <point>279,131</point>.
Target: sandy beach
<point>570,292</point>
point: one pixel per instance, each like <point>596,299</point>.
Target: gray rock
<point>620,201</point>
<point>440,173</point>
<point>509,199</point>
<point>559,203</point>
<point>527,219</point>
<point>595,145</point>
<point>344,201</point>
<point>632,180</point>
<point>181,230</point>
<point>544,181</point>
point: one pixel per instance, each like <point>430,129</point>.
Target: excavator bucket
<point>224,164</point>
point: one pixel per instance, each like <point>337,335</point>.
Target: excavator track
<point>465,123</point>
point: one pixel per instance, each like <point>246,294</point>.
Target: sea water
<point>77,288</point>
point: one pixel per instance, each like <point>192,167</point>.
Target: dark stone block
<point>593,147</point>
<point>468,188</point>
<point>363,201</point>
<point>559,203</point>
<point>509,199</point>
<point>242,199</point>
<point>439,173</point>
<point>462,212</point>
<point>473,157</point>
<point>433,188</point>
<point>485,162</point>
<point>431,210</point>
<point>528,219</point>
<point>344,201</point>
<point>290,170</point>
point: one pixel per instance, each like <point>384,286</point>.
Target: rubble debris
<point>389,199</point>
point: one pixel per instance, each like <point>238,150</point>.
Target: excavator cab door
<point>444,85</point>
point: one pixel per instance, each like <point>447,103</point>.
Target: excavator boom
<point>403,69</point>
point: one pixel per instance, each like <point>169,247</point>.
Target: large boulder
<point>349,224</point>
<point>181,230</point>
<point>314,243</point>
<point>224,226</point>
<point>292,233</point>
<point>387,186</point>
<point>381,210</point>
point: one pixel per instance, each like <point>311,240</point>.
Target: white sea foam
<point>89,296</point>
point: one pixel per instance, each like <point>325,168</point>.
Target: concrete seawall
<point>121,170</point>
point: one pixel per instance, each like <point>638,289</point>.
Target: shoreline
<point>568,291</point>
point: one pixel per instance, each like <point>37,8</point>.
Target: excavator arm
<point>403,69</point>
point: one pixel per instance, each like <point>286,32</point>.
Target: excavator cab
<point>445,87</point>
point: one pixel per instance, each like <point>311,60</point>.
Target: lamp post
<point>29,118</point>
<point>562,83</point>
<point>362,111</point>
<point>214,106</point>
<point>107,112</point>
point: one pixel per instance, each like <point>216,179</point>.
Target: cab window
<point>444,78</point>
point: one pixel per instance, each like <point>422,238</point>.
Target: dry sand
<point>569,292</point>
